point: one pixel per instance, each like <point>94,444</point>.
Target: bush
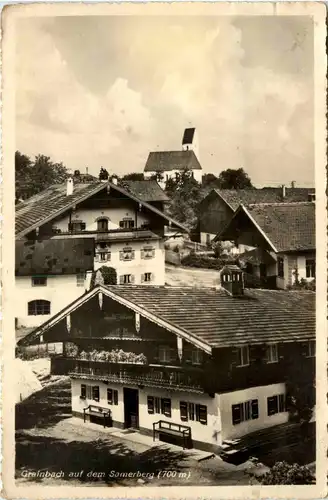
<point>109,276</point>
<point>203,262</point>
<point>284,473</point>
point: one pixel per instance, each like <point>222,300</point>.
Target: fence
<point>39,350</point>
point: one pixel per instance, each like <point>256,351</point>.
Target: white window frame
<point>272,353</point>
<point>310,347</point>
<point>167,351</point>
<point>242,350</point>
<point>38,278</point>
<point>196,357</point>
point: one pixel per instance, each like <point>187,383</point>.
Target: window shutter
<point>203,414</point>
<point>255,409</point>
<point>142,254</point>
<point>133,254</point>
<point>89,391</point>
<point>70,226</point>
<point>150,404</point>
<point>183,411</point>
<point>281,401</point>
<point>132,279</point>
<point>109,396</point>
<point>152,277</point>
<point>166,407</point>
<point>272,403</point>
<point>115,397</point>
<point>121,255</point>
<point>95,392</point>
<point>121,224</point>
<point>153,252</point>
<point>236,414</point>
<point>142,277</point>
<point>122,280</point>
<point>191,411</point>
<point>83,391</point>
<point>83,226</point>
<point>157,405</point>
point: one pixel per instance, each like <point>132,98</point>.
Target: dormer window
<point>127,223</point>
<point>76,226</point>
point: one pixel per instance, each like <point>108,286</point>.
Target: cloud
<point>133,87</point>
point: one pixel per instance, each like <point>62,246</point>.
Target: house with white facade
<point>277,241</point>
<point>126,233</point>
<point>165,165</point>
<point>198,367</point>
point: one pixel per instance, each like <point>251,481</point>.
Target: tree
<point>210,180</point>
<point>284,473</point>
<point>34,176</point>
<point>103,276</point>
<point>185,193</point>
<point>158,177</point>
<point>134,176</point>
<point>234,179</point>
<point>103,174</point>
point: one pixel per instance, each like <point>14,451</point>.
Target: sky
<point>96,91</point>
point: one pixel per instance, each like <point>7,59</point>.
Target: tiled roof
<point>162,161</point>
<point>147,190</point>
<point>54,256</point>
<point>216,318</point>
<point>289,226</point>
<point>53,201</point>
<point>236,197</point>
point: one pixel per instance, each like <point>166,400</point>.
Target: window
<point>196,357</point>
<point>272,353</point>
<point>242,412</point>
<point>127,223</point>
<point>192,411</point>
<point>310,349</point>
<point>159,405</point>
<point>83,394</point>
<point>243,356</point>
<point>39,281</point>
<point>80,279</point>
<point>276,404</point>
<point>127,254</point>
<point>89,392</point>
<point>76,226</point>
<point>146,277</point>
<point>280,265</point>
<point>95,393</point>
<point>112,396</point>
<point>104,256</point>
<point>310,268</point>
<point>147,252</point>
<point>102,224</point>
<point>126,279</point>
<point>38,307</point>
<point>166,354</point>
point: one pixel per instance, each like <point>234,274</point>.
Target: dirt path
<point>188,276</point>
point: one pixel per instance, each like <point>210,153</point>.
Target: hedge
<point>203,262</point>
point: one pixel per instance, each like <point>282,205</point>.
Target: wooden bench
<point>97,411</point>
<point>172,429</point>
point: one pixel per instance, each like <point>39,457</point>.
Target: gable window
<point>127,223</point>
<point>102,224</point>
<point>241,412</point>
<point>76,226</point>
<point>80,279</point>
<point>196,357</point>
<point>146,277</point>
<point>39,281</point>
<point>95,393</point>
<point>38,307</point>
<point>276,404</point>
<point>272,353</point>
<point>280,267</point>
<point>310,268</point>
<point>148,252</point>
<point>127,279</point>
<point>112,396</point>
<point>166,354</point>
<point>310,349</point>
<point>243,356</point>
<point>127,254</point>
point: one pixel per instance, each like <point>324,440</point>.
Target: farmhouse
<point>197,366</point>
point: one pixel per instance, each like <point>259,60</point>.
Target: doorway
<point>131,408</point>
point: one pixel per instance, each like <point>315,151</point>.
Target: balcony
<point>112,234</point>
<point>150,375</point>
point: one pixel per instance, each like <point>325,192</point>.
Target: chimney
<point>86,170</point>
<point>292,184</point>
<point>232,280</point>
<point>114,180</point>
<point>283,192</point>
<point>69,184</point>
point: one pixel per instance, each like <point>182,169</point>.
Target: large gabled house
<point>218,206</point>
<point>278,240</point>
<point>200,366</point>
<point>165,165</point>
<point>125,232</point>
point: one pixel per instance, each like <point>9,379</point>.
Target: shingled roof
<point>163,161</point>
<point>213,317</point>
<point>146,190</point>
<point>53,201</point>
<point>236,197</point>
<point>287,226</point>
<point>54,256</point>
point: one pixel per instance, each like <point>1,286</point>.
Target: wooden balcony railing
<point>169,377</point>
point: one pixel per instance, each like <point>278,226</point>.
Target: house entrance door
<point>131,408</point>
